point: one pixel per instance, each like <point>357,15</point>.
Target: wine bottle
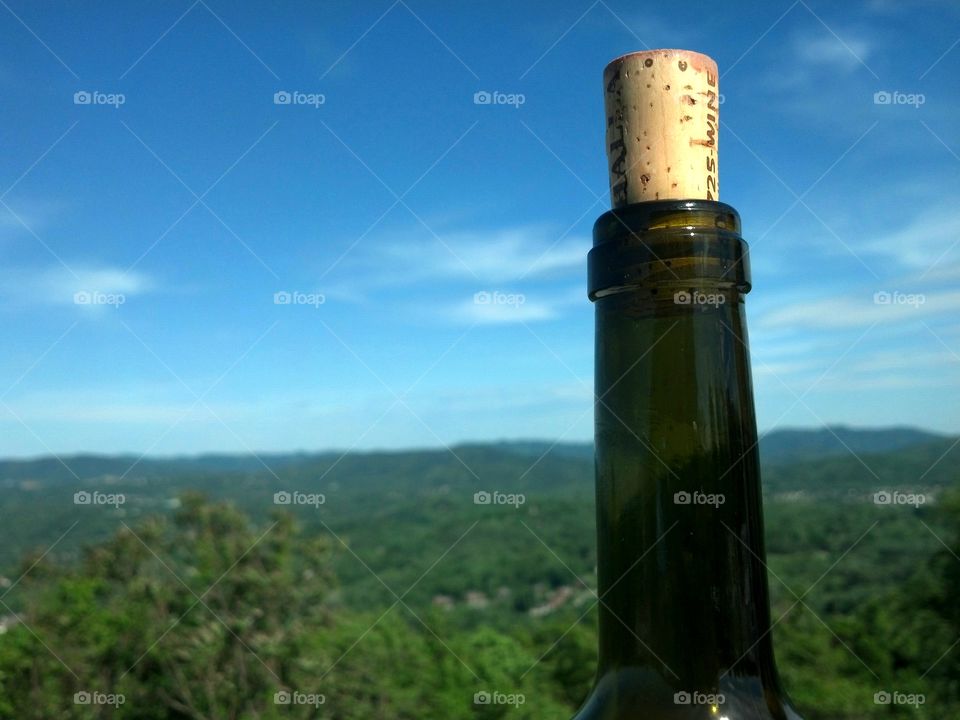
<point>684,614</point>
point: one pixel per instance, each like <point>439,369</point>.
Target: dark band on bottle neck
<point>651,247</point>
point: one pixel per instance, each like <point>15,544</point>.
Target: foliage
<point>400,598</point>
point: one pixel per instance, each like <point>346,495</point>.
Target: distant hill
<point>790,445</point>
<point>536,448</point>
<point>67,468</point>
<point>408,506</point>
<point>777,447</point>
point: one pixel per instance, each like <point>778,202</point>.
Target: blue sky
<point>181,198</point>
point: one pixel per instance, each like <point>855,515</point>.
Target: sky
<point>274,226</point>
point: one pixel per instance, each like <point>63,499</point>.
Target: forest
<point>393,585</point>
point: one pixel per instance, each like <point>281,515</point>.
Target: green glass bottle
<point>684,618</point>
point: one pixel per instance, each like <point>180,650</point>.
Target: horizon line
<point>441,447</point>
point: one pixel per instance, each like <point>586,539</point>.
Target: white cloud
<point>925,250</point>
<point>507,307</point>
<point>923,241</point>
<point>59,285</point>
<point>845,52</point>
<point>886,361</point>
<point>862,310</point>
<point>513,252</point>
<point>493,256</point>
<point>525,271</point>
<point>504,313</point>
<point>821,77</point>
<point>780,369</point>
<point>28,216</point>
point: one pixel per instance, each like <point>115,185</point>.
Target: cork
<point>662,110</point>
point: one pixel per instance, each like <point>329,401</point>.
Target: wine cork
<point>662,109</point>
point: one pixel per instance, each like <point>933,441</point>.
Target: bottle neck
<point>681,575</point>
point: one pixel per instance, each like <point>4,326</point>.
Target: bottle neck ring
<point>680,244</point>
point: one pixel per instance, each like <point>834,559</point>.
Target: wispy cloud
<point>882,307</point>
<point>504,313</point>
<point>79,285</point>
<point>505,305</point>
<point>822,73</point>
<point>824,50</point>
<point>495,255</point>
<point>924,240</point>
<point>27,215</point>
